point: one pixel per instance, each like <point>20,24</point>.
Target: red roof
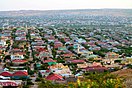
<point>47,71</point>
<point>68,54</point>
<point>58,45</point>
<point>8,83</point>
<point>77,61</point>
<point>66,39</point>
<point>1,46</point>
<point>50,60</point>
<point>54,77</point>
<point>19,61</point>
<point>41,49</point>
<point>20,73</point>
<point>6,73</point>
<point>16,49</point>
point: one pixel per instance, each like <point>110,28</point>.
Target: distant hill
<point>86,12</point>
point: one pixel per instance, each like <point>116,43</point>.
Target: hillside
<point>127,74</point>
<point>85,12</point>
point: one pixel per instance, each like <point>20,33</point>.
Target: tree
<point>47,84</point>
<point>101,80</point>
<point>100,53</point>
<point>71,48</point>
<point>62,40</point>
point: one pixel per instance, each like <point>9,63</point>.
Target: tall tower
<point>7,23</point>
<point>78,49</point>
<point>26,26</point>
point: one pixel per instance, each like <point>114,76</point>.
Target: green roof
<point>51,63</point>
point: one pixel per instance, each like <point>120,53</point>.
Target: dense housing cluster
<point>62,50</point>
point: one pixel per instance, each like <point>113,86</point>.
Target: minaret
<point>7,24</point>
<point>78,49</point>
<point>3,27</point>
<point>26,26</point>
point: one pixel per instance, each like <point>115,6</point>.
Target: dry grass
<point>127,75</point>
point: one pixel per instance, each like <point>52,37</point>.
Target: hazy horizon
<point>68,9</point>
<point>13,5</point>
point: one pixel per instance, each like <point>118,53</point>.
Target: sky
<point>6,5</point>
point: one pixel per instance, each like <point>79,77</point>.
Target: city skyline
<point>8,5</point>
